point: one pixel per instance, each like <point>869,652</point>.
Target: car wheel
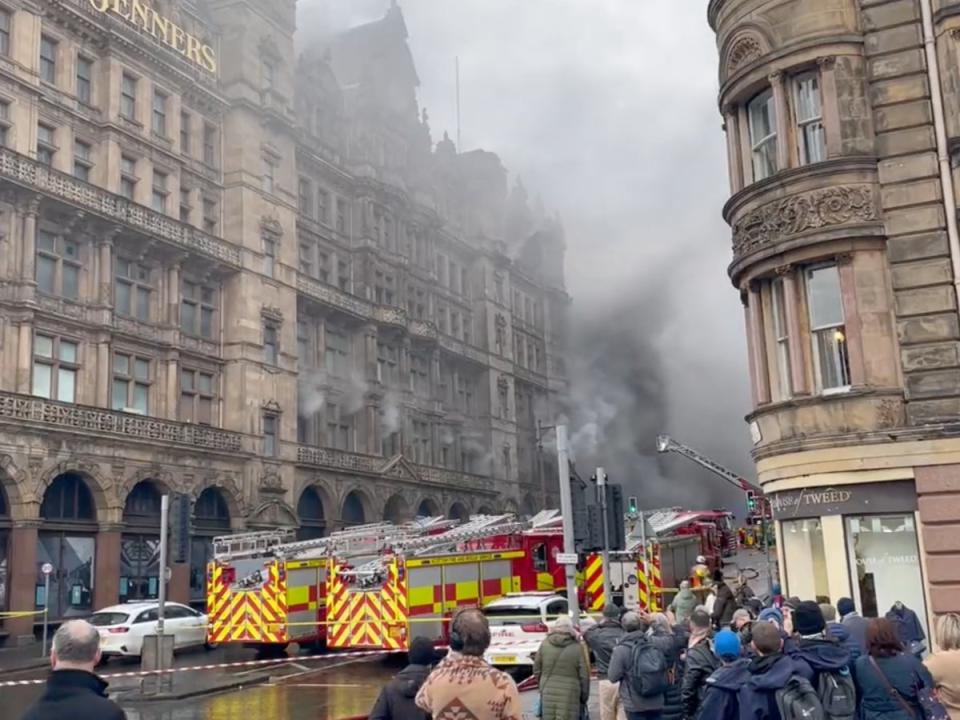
<point>210,646</point>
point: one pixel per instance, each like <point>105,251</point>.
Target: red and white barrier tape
<point>220,666</point>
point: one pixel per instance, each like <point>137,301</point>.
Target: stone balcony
<point>50,415</point>
<point>379,466</point>
<point>32,175</point>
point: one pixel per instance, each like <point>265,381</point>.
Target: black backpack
<point>797,700</point>
<point>648,670</point>
<point>838,696</point>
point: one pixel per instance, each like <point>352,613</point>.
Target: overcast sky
<point>607,110</point>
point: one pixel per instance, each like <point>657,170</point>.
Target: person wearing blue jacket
<point>814,652</point>
<point>838,632</point>
<point>747,689</point>
<point>855,625</point>
<point>887,678</point>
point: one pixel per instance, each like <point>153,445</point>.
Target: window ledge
<point>799,401</point>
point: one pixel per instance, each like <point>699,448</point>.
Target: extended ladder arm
<point>667,444</point>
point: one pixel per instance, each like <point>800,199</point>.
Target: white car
<point>123,627</point>
<point>518,624</point>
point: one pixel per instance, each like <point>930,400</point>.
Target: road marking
<point>310,671</point>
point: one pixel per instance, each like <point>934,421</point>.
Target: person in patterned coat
<point>463,686</point>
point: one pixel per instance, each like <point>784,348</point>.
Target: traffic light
<point>632,506</point>
<point>578,497</point>
<point>616,533</point>
<point>751,502</point>
<point>594,540</point>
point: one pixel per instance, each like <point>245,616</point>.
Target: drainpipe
<point>943,153</point>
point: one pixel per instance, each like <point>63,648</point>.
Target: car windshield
<point>511,615</point>
<point>104,619</point>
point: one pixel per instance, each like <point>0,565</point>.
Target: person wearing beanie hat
<point>808,620</point>
<point>816,654</point>
<point>726,645</point>
<point>855,625</point>
<point>602,638</point>
<point>396,700</point>
<point>771,615</point>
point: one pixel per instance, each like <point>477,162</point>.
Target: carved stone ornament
<point>270,483</point>
<point>776,221</point>
<point>502,382</point>
<point>744,50</point>
<point>271,225</point>
<point>500,321</point>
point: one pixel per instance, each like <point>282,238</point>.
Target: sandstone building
<point>247,277</point>
<point>843,131</point>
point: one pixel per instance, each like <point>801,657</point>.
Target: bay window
<point>811,140</point>
<point>831,364</point>
<point>781,336</point>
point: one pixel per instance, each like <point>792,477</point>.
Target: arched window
<point>68,498</point>
<point>459,512</point>
<point>211,512</point>
<point>396,510</point>
<point>211,517</point>
<point>310,513</point>
<point>67,541</point>
<point>428,508</point>
<point>352,513</point>
<point>140,544</point>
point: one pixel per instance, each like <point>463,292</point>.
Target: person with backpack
<point>824,662</point>
<point>641,669</point>
<point>699,663</point>
<point>396,699</point>
<point>725,604</point>
<point>889,680</point>
<point>602,638</point>
<point>855,625</point>
<point>662,635</point>
<point>563,673</point>
<point>756,688</point>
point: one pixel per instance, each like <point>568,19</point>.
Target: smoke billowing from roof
<point>573,96</point>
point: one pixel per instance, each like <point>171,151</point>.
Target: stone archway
<point>428,508</point>
<point>211,517</point>
<point>353,511</point>
<point>311,515</point>
<point>140,542</point>
<point>459,511</point>
<point>396,510</point>
<point>485,510</point>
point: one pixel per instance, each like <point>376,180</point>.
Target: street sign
<point>46,568</point>
<point>567,558</point>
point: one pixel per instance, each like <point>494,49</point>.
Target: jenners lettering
<point>142,16</point>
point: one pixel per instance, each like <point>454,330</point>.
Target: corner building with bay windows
<point>258,285</point>
<point>846,257</point>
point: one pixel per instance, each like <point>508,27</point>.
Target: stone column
<point>761,377</point>
<point>106,589</point>
<point>370,351</point>
<point>103,372</point>
<point>105,270</point>
<point>734,159</point>
<point>24,357</point>
<point>28,246</point>
<point>784,156</point>
<point>795,345</point>
<point>829,104</point>
<point>22,579</point>
<point>178,589</point>
<point>173,373</point>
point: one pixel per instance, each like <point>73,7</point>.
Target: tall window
<point>269,254</point>
<point>210,215</point>
<point>266,180</point>
<point>830,360</point>
<point>270,344</point>
<point>810,134</point>
<point>133,290</point>
<point>269,75</point>
<point>81,160</point>
<point>305,194</point>
<point>198,307</point>
<point>306,258</point>
<point>46,148</point>
<point>55,366</point>
<point>84,79</point>
<point>185,134</point>
<point>341,215</point>
<point>343,275</point>
<point>4,123</point>
<point>338,427</point>
<point>128,97</point>
<point>4,32</point>
<point>159,192</point>
<point>763,134</point>
<point>185,205</point>
<point>128,176</point>
<point>131,383</point>
<point>270,435</point>
<point>781,337</point>
<point>159,113</point>
<point>58,265</point>
<point>197,396</point>
<point>48,59</point>
<point>209,144</point>
<point>387,362</point>
<point>335,351</point>
<point>323,204</point>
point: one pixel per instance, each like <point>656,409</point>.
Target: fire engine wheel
<point>211,646</point>
<point>271,650</point>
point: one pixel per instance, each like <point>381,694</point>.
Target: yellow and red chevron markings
<point>594,583</point>
<point>257,615</point>
<point>375,618</point>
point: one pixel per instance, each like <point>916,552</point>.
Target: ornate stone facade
<point>263,288</point>
<point>846,264</point>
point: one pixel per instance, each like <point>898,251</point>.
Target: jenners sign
<point>150,21</point>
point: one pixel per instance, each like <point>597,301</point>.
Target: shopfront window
<point>885,564</point>
<point>805,558</point>
<point>211,517</point>
<point>67,541</point>
<point>4,540</point>
<point>140,545</point>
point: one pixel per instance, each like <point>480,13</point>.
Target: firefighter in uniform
<point>700,573</point>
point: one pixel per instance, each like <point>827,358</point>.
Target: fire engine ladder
<point>479,526</point>
<point>666,444</point>
<point>251,543</point>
